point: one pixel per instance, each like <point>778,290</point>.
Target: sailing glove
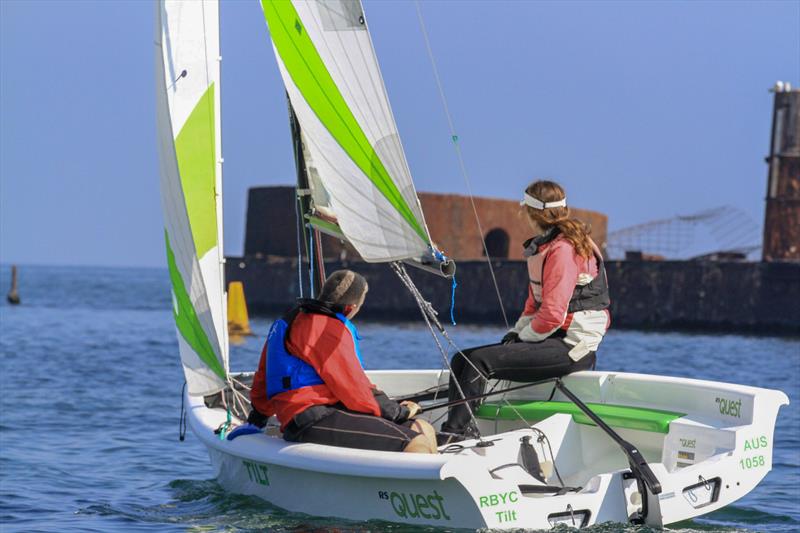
<point>510,338</point>
<point>390,409</point>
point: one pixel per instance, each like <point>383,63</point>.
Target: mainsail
<point>358,172</point>
<point>187,96</point>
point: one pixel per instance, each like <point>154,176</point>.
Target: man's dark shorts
<point>337,426</point>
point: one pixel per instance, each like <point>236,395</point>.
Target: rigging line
<point>240,401</point>
<point>223,428</point>
<point>311,263</point>
<point>427,314</point>
<point>524,385</point>
<point>426,307</point>
<point>434,421</point>
<point>438,381</point>
<point>298,221</point>
<point>237,393</point>
<point>243,407</point>
<point>236,404</point>
<point>459,155</point>
<point>320,260</point>
<point>241,384</point>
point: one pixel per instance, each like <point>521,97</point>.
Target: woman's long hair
<point>575,231</point>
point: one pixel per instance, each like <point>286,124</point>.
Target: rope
<point>441,257</point>
<point>223,428</point>
<point>462,165</point>
<point>239,405</point>
<point>241,402</point>
<point>453,301</point>
<point>429,314</point>
<point>240,383</point>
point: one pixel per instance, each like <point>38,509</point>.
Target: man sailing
<point>311,377</point>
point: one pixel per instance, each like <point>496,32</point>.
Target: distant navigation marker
<point>13,294</point>
<point>238,319</point>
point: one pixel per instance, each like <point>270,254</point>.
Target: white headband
<point>538,204</point>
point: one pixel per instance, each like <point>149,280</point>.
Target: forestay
<point>187,96</point>
<point>356,165</point>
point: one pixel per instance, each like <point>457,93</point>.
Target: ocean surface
<point>91,382</point>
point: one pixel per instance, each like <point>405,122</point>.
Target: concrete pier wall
<point>684,295</point>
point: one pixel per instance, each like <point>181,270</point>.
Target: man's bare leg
<point>425,442</point>
<point>422,426</point>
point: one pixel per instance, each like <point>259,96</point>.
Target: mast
<point>303,198</point>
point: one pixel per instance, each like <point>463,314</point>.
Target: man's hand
<point>413,408</point>
<point>510,338</point>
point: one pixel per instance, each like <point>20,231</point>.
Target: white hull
<point>722,446</point>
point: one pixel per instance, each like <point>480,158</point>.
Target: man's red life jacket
<point>324,342</point>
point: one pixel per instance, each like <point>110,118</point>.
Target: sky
<point>643,110</point>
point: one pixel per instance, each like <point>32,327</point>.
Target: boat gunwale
<point>314,457</point>
<point>370,463</point>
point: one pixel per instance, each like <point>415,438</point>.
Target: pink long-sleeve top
<point>554,273</point>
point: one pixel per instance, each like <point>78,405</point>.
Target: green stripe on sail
<point>186,318</point>
<point>196,150</point>
<point>312,78</point>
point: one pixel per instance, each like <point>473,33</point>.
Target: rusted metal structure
<point>452,224</point>
<point>271,226</point>
<point>782,217</point>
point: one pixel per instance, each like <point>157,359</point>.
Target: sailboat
<point>589,448</point>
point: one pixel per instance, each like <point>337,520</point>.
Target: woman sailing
<point>565,315</point>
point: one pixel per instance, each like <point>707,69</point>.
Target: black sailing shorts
<point>336,426</point>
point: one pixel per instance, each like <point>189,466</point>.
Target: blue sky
<point>643,110</point>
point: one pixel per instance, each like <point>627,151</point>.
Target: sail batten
<point>351,146</point>
<point>187,96</point>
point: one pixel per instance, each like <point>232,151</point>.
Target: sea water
<point>91,382</point>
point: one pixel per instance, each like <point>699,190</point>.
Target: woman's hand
<point>510,338</point>
<point>413,408</point>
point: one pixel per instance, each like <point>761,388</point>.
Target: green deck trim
<point>620,416</point>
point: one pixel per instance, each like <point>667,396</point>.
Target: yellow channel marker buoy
<point>238,320</point>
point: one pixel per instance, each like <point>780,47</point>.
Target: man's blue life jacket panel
<point>353,333</point>
<point>286,372</point>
